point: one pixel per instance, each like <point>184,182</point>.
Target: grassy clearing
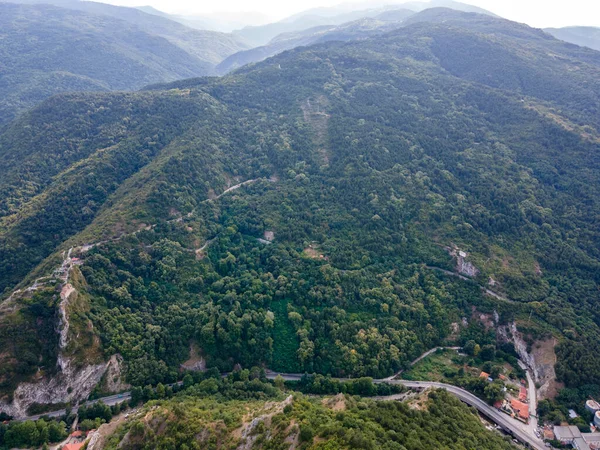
<point>433,367</point>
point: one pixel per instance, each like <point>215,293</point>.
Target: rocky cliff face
<point>463,266</point>
<point>63,326</point>
<point>73,382</point>
<point>114,379</point>
<point>70,385</point>
<point>541,359</point>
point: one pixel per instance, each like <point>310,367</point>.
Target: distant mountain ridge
<point>209,46</point>
<point>583,36</point>
<point>343,13</point>
<point>86,46</point>
<point>395,18</point>
<point>357,29</point>
<point>289,214</point>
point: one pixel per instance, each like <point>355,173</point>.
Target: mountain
<point>259,36</point>
<point>583,36</point>
<point>357,7</point>
<point>339,209</point>
<point>282,417</point>
<point>209,46</point>
<point>457,6</point>
<point>223,22</point>
<point>47,50</point>
<point>381,23</point>
<point>358,29</point>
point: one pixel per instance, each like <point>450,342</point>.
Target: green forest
<point>365,164</point>
<point>218,414</point>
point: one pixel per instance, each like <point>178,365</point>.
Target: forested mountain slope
<point>209,46</point>
<point>358,29</point>
<point>495,28</point>
<point>363,164</point>
<point>259,36</point>
<point>47,50</point>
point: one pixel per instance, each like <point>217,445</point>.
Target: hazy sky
<point>538,13</point>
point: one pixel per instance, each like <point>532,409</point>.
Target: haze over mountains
<point>366,190</point>
<point>90,46</point>
<point>583,36</point>
<point>87,46</point>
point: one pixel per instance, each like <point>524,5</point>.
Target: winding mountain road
<point>516,429</point>
<point>522,432</point>
<point>511,426</point>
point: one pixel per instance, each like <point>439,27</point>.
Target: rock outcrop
<point>541,359</point>
<point>71,384</point>
<point>463,266</point>
<point>114,375</point>
<point>63,325</point>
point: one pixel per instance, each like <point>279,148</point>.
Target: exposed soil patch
<point>196,361</point>
<point>246,431</point>
<point>313,251</point>
<point>98,439</point>
<point>487,320</point>
<point>420,401</point>
<point>337,403</point>
<point>292,435</point>
<point>545,359</point>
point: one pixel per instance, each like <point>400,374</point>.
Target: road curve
<point>499,418</point>
<point>505,422</point>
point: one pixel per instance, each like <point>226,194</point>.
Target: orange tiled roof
<point>73,446</point>
<point>522,393</point>
<point>521,408</point>
<point>484,375</point>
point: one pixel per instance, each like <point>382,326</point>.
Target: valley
<point>401,202</point>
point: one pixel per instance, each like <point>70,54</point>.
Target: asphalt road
<point>533,421</point>
<point>516,429</point>
<point>511,426</point>
<point>110,400</point>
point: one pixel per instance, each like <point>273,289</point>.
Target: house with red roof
<point>522,394</point>
<point>521,410</point>
<point>76,446</point>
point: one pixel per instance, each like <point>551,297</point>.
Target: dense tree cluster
<point>368,161</point>
<point>319,384</point>
<point>31,434</point>
<point>330,423</point>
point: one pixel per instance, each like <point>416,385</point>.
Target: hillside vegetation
<point>47,50</point>
<point>222,417</point>
<point>363,164</point>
